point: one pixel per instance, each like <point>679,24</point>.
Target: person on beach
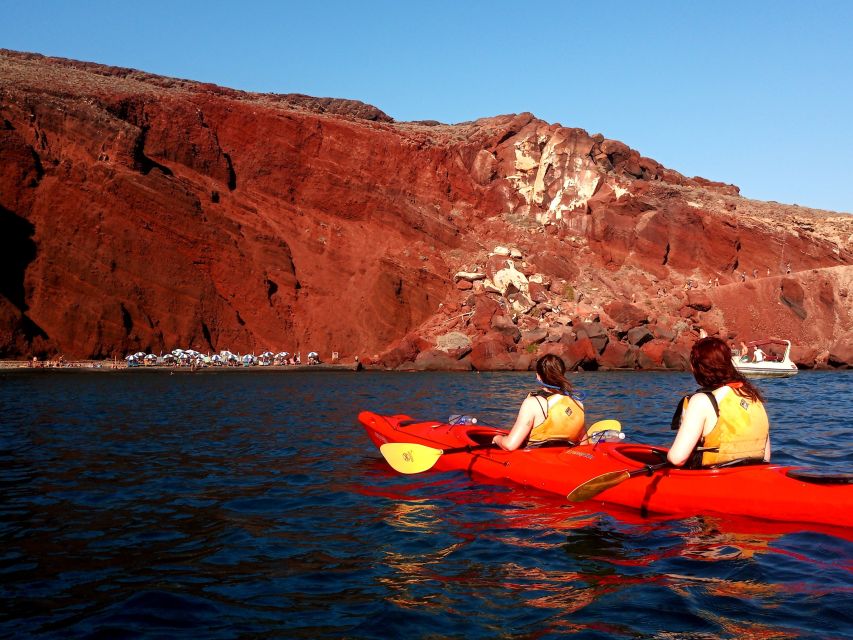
<point>550,413</point>
<point>725,420</point>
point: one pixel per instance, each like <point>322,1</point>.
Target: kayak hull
<point>757,491</point>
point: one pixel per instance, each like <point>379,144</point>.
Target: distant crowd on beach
<point>188,358</point>
<point>55,363</point>
<point>195,359</point>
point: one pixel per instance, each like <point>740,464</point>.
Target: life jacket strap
<point>676,417</point>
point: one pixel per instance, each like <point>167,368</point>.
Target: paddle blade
<point>408,457</point>
<point>592,488</point>
<point>604,425</point>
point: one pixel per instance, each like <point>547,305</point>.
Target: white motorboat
<point>768,363</point>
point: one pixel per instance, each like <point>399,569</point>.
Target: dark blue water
<point>251,504</point>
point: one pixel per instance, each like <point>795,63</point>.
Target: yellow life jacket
<point>741,431</point>
<point>564,420</point>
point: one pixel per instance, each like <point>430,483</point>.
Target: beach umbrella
<point>129,358</point>
<point>139,354</point>
<point>150,356</point>
<point>313,354</point>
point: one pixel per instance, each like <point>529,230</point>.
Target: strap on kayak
<point>820,478</point>
<point>554,442</point>
<point>740,462</point>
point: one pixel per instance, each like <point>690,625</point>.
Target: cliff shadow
<point>18,251</point>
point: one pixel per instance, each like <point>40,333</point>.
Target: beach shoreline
<point>110,366</point>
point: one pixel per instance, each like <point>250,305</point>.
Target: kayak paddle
<point>408,457</point>
<point>592,488</point>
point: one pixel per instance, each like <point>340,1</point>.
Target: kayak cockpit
<point>481,436</point>
<point>637,454</point>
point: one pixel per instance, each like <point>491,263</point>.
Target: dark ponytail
<point>552,371</point>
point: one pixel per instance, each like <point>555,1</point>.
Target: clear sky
<point>754,93</point>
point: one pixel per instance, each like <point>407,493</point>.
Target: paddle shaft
<point>475,447</point>
<point>648,469</point>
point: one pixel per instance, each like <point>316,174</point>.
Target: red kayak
<point>637,474</point>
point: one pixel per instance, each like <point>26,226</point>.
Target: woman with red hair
<point>724,422</point>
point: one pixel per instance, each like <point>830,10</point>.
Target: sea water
<point>226,504</point>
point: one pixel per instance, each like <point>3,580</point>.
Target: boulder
<point>639,336</point>
<point>538,293</point>
<point>699,300</point>
<point>520,303</point>
<point>401,351</point>
<point>470,276</point>
<point>805,356</point>
<point>663,332</point>
<point>523,361</point>
<point>535,336</point>
<point>560,334</point>
<point>485,308</point>
<point>676,359</point>
<point>615,356</point>
<point>841,355</point>
<point>595,332</point>
<point>455,344</point>
<point>491,352</point>
<point>651,354</point>
<point>437,360</point>
<point>464,285</point>
<point>510,280</point>
<point>580,354</point>
<point>626,313</point>
<point>504,325</point>
<point>528,323</point>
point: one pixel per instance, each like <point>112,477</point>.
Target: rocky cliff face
<point>146,213</point>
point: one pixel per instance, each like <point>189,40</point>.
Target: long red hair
<point>711,359</point>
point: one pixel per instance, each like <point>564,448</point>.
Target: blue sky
<point>758,94</point>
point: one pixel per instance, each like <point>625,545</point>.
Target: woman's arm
<point>523,425</point>
<point>693,421</point>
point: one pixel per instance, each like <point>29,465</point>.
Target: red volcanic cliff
<point>148,213</point>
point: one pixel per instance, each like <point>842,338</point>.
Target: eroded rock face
<point>145,213</point>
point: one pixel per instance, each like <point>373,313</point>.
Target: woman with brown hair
<point>551,413</point>
<point>725,420</point>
